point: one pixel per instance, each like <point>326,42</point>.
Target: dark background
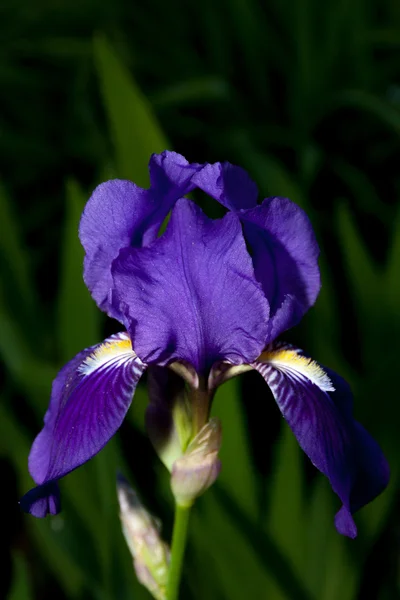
<point>306,96</point>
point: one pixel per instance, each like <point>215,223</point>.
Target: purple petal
<point>42,500</point>
<point>322,422</point>
<point>112,218</point>
<point>120,214</point>
<point>171,173</point>
<point>228,184</point>
<point>192,295</point>
<point>281,240</point>
<point>90,397</point>
<point>285,258</point>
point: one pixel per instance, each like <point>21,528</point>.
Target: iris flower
<point>205,300</point>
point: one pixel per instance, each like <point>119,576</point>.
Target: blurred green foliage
<point>306,96</point>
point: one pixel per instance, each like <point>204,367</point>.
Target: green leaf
<point>322,326</point>
<point>342,577</point>
<point>363,191</point>
<point>320,529</point>
<point>14,263</point>
<point>279,580</point>
<point>331,571</point>
<point>280,182</point>
<point>374,516</point>
<point>31,374</point>
<point>247,21</point>
<point>79,317</point>
<point>365,280</point>
<point>272,176</point>
<point>382,110</point>
<point>224,548</point>
<point>285,519</point>
<point>392,272</point>
<point>15,444</point>
<point>193,90</point>
<point>11,245</point>
<point>21,588</point>
<point>134,128</point>
<point>237,474</point>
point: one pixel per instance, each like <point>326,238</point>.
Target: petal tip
<point>345,524</point>
<point>42,500</point>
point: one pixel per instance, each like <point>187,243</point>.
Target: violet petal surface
<point>317,404</point>
<point>192,294</point>
<point>90,397</point>
<point>120,214</point>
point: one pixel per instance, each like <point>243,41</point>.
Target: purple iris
<point>205,300</point>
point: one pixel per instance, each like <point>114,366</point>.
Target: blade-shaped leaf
<point>365,281</point>
<point>31,374</point>
<point>282,582</point>
<point>15,445</point>
<point>285,519</point>
<point>224,547</point>
<point>21,587</point>
<point>237,474</point>
<point>381,109</point>
<point>134,128</point>
<point>320,530</point>
<point>79,317</point>
<point>14,264</point>
<point>392,272</point>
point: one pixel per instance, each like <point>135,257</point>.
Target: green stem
<point>179,536</point>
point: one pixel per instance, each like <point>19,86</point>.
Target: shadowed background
<point>306,96</point>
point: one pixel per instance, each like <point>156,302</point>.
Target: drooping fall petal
<point>90,398</point>
<point>317,404</point>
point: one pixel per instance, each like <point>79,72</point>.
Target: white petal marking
<point>116,351</point>
<point>288,359</point>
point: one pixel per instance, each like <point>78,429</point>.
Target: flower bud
<point>199,467</point>
<point>168,416</point>
<point>142,534</point>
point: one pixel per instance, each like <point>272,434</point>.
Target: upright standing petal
<point>285,258</point>
<point>111,220</point>
<point>119,214</point>
<point>280,238</point>
<point>172,174</point>
<point>228,184</point>
<point>317,405</point>
<point>192,294</point>
<point>89,400</point>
